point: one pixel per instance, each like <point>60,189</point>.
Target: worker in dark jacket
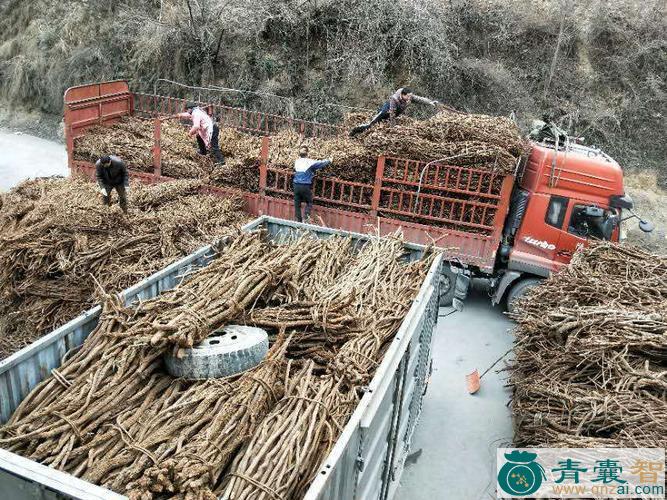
<point>112,174</point>
<point>304,171</point>
<point>205,129</point>
<point>394,107</point>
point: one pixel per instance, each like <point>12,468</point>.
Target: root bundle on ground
<point>59,245</point>
<point>591,355</point>
<point>112,415</point>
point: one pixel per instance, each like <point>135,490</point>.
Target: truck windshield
<point>585,225</point>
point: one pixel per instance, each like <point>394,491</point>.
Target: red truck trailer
<point>512,230</point>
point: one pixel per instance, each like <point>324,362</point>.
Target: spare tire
<point>228,351</point>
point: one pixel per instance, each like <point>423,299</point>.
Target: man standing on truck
<point>111,173</point>
<point>304,170</point>
<point>394,107</point>
<point>205,129</point>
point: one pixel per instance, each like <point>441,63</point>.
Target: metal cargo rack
<point>459,209</point>
<point>366,461</point>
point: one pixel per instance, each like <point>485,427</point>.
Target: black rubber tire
<point>518,290</point>
<point>447,286</point>
<point>231,350</point>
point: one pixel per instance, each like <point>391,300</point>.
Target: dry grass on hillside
<point>651,204</point>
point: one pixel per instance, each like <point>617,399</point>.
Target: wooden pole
<point>263,164</point>
<point>157,152</point>
<point>377,188</point>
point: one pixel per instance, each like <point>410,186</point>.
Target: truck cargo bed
<point>365,462</point>
<point>459,209</point>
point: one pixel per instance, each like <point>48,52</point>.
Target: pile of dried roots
<point>111,414</point>
<point>59,245</point>
<point>485,142</point>
<point>591,359</point>
<point>132,140</point>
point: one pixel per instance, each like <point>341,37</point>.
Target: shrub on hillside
<point>596,66</point>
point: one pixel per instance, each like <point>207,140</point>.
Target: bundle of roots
<point>112,415</point>
<point>59,245</point>
<point>132,139</point>
<point>591,355</point>
<point>484,142</point>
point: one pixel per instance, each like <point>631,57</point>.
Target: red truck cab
<point>565,196</point>
<point>561,186</point>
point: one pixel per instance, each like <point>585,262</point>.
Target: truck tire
<point>518,290</point>
<point>231,350</point>
<point>447,286</point>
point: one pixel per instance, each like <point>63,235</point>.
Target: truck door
<point>579,228</point>
<point>536,243</point>
<point>571,237</point>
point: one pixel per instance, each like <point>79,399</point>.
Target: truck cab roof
<point>572,170</point>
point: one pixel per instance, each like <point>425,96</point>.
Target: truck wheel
<point>447,286</point>
<point>231,350</point>
<point>518,290</point>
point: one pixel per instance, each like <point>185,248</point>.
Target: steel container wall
<point>368,458</point>
<point>365,463</point>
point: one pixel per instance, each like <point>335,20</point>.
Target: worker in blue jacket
<point>304,171</point>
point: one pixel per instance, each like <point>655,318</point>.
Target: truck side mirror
<point>618,201</point>
<point>646,226</point>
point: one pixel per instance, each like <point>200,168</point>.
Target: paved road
<point>24,156</point>
<point>458,433</point>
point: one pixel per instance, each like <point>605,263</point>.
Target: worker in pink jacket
<point>205,129</point>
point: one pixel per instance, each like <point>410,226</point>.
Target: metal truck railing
<point>366,461</point>
<point>255,122</point>
<point>459,209</point>
<point>328,190</point>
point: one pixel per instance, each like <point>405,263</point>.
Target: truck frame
<point>511,230</point>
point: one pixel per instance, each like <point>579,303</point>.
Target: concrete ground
<point>24,156</point>
<point>454,446</point>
